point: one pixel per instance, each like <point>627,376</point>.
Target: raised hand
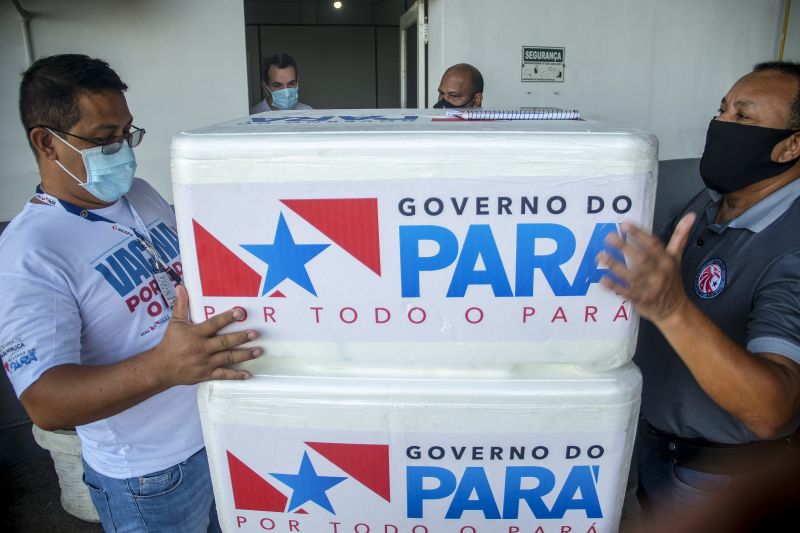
<point>651,280</point>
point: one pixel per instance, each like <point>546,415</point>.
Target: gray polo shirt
<point>745,276</point>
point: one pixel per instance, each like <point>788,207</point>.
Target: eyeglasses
<point>112,145</point>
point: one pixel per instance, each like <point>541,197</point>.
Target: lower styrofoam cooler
<point>348,454</point>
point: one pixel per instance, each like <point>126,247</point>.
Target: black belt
<point>712,457</point>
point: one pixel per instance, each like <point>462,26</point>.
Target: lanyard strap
<point>70,208</point>
<point>137,233</point>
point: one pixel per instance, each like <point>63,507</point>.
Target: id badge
<point>167,288</point>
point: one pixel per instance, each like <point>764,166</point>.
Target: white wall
<point>184,61</point>
<point>661,65</point>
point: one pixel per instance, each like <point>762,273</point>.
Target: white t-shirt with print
<point>73,291</point>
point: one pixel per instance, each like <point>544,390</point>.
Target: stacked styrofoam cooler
<point>440,356</point>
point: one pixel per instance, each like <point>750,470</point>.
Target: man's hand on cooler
<point>191,353</point>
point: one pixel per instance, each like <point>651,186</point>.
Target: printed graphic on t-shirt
<point>128,268</point>
<point>15,355</point>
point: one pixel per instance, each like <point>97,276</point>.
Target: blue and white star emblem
<point>307,486</point>
<point>285,258</point>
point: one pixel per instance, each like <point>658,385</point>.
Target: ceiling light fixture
<point>337,5</point>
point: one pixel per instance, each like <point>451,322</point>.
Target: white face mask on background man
<point>281,86</point>
<point>284,99</point>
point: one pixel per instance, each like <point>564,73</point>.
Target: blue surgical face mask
<point>108,177</point>
<point>285,99</point>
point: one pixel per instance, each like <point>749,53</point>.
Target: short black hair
<point>476,79</point>
<point>790,69</point>
<point>49,91</point>
<point>276,60</point>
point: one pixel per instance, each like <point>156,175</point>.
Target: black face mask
<point>738,155</point>
<point>444,104</point>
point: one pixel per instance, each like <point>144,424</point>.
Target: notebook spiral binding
<point>517,114</point>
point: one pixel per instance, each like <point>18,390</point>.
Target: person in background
<point>719,348</point>
<point>95,332</point>
<point>461,86</point>
<point>279,81</point>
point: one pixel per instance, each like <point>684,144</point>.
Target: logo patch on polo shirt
<point>710,279</point>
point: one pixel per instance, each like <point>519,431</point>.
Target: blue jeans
<point>667,489</point>
<point>176,500</point>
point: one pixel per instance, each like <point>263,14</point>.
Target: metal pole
<point>422,40</point>
<point>407,20</point>
<point>25,18</point>
<point>403,69</point>
<point>785,26</point>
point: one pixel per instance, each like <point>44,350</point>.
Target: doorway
<point>347,58</point>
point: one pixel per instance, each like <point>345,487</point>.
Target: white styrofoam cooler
<point>391,239</point>
<point>388,455</point>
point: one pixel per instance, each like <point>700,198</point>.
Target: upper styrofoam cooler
<point>384,238</point>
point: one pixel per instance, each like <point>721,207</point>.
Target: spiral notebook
<point>523,113</point>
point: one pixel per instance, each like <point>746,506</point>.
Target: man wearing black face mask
<point>461,86</point>
<point>720,347</point>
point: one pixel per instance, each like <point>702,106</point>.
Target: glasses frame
<point>108,147</point>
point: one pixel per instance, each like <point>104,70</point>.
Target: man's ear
<point>787,150</point>
<point>43,142</point>
<point>478,99</point>
<point>267,93</point>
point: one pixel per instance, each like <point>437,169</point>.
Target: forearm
<point>754,388</point>
<point>71,395</point>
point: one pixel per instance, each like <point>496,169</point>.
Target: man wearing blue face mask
<point>95,332</point>
<point>719,347</point>
<point>280,85</point>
